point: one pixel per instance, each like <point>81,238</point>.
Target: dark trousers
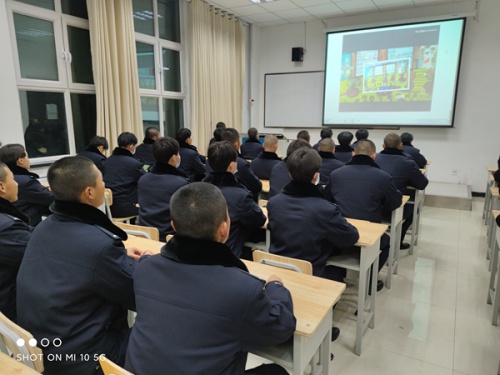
<point>271,369</point>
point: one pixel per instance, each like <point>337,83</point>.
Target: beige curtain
<point>115,68</point>
<point>217,71</point>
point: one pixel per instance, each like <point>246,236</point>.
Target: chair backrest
<point>169,237</point>
<point>11,334</point>
<point>111,368</point>
<point>139,230</point>
<point>293,264</point>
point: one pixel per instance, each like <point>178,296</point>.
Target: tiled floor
<point>434,320</point>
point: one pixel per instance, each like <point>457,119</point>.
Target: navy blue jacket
<point>199,312</point>
<point>415,155</point>
<point>244,175</point>
<point>154,191</point>
<point>305,225</point>
<point>328,164</point>
<point>279,178</point>
<point>191,162</point>
<point>403,170</point>
<point>34,199</point>
<point>14,236</point>
<point>361,190</point>
<point>144,152</point>
<point>264,163</point>
<point>75,284</point>
<point>246,216</point>
<point>343,153</point>
<point>251,148</point>
<point>122,173</point>
<point>95,155</point>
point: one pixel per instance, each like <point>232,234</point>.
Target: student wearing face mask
<point>156,187</point>
<point>246,216</point>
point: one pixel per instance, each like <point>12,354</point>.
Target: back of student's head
<point>151,132</point>
<point>197,210</point>
<point>183,134</point>
<point>406,138</point>
<point>11,152</point>
<point>126,139</point>
<point>218,134</point>
<point>270,141</point>
<point>326,145</point>
<point>326,133</point>
<point>345,138</point>
<point>253,133</point>
<point>220,125</point>
<point>295,145</point>
<point>68,177</point>
<point>365,147</point>
<point>220,155</point>
<point>98,141</point>
<point>304,134</point>
<point>164,148</point>
<point>362,134</point>
<point>303,164</point>
<point>231,135</point>
<point>392,140</point>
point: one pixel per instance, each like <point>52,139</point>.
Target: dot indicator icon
<point>32,342</point>
<point>20,342</point>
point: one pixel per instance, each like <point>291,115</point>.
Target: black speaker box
<point>297,54</point>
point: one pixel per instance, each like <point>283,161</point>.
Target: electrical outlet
<point>454,172</point>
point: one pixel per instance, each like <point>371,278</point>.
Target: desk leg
<point>487,198</point>
<point>392,251</point>
<point>399,228</point>
<point>374,274</point>
<point>491,244</point>
<point>268,240</point>
<point>362,293</point>
<point>299,362</point>
<point>493,271</point>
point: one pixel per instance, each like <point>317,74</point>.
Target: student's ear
<point>374,155</point>
<point>223,232</point>
<point>383,146</point>
<point>173,226</point>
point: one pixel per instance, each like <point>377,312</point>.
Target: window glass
<point>77,8</point>
<point>150,114</point>
<point>171,70</point>
<point>48,4</point>
<point>83,108</point>
<point>173,116</point>
<point>44,121</point>
<point>36,48</point>
<point>146,65</point>
<point>168,20</point>
<point>81,59</point>
<point>143,17</point>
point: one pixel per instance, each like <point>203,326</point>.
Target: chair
<point>169,237</point>
<point>11,335</point>
<point>111,368</point>
<point>150,233</point>
<point>275,260</point>
<point>108,201</point>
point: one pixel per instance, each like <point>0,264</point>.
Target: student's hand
<point>136,253</point>
<point>274,278</point>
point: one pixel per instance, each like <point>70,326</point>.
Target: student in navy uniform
<point>96,151</point>
<point>279,174</point>
<point>218,132</point>
<point>144,152</point>
<point>252,146</point>
<point>405,172</point>
<point>344,151</point>
<point>15,233</point>
<point>407,139</point>
<point>122,173</point>
<point>75,280</point>
<point>325,133</point>
<point>246,216</point>
<point>34,199</point>
<point>361,190</point>
<point>304,134</point>
<point>156,187</point>
<point>267,159</point>
<point>192,163</point>
<point>360,135</point>
<point>199,311</point>
<point>328,161</point>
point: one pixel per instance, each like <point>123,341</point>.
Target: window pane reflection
<point>81,62</point>
<point>150,114</point>
<point>173,116</point>
<point>171,70</point>
<point>146,65</point>
<point>168,20</point>
<point>83,107</point>
<point>143,17</point>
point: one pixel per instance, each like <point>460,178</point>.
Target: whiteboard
<point>293,100</point>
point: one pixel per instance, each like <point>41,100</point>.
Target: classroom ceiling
<point>280,12</point>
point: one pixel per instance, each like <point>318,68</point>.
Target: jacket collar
<point>269,155</point>
<point>122,152</point>
<point>362,160</point>
<point>17,170</point>
<point>407,144</point>
<point>302,189</point>
<point>148,141</point>
<point>254,140</point>
<point>391,151</point>
<point>87,214</point>
<point>200,252</point>
<point>185,145</point>
<point>343,148</point>
<point>164,168</point>
<point>94,150</point>
<point>326,155</point>
<point>224,179</point>
<point>8,208</point>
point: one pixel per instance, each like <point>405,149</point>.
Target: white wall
<point>468,148</point>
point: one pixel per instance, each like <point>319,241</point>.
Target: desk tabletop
<point>11,366</point>
<point>369,232</point>
<point>406,198</point>
<point>494,192</point>
<point>492,169</point>
<point>424,171</point>
<point>265,186</point>
<point>495,213</point>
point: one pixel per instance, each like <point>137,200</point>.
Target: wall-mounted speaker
<point>297,54</point>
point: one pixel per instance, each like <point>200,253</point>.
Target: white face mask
<point>179,162</point>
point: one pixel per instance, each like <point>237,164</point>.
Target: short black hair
<point>295,145</point>
<point>230,134</point>
<point>126,139</point>
<point>197,210</point>
<point>304,134</point>
<point>151,132</point>
<point>407,138</point>
<point>326,144</point>
<point>303,163</point>
<point>97,141</point>
<point>10,153</point>
<point>68,177</point>
<point>392,140</point>
<point>362,134</point>
<point>164,148</point>
<point>253,133</point>
<point>365,147</point>
<point>218,134</point>
<point>183,134</point>
<point>326,133</point>
<point>345,138</point>
<point>220,125</point>
<point>220,155</point>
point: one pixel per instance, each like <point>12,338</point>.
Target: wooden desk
<point>265,186</point>
<point>424,171</point>
<point>10,366</point>
<point>313,299</point>
<point>492,169</point>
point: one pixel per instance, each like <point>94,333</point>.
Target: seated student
<point>304,134</point>
<point>246,216</point>
<point>75,281</point>
<point>279,174</point>
<point>325,133</point>
<point>405,173</point>
<point>144,152</point>
<point>361,190</point>
<point>156,187</point>
<point>96,151</point>
<point>252,146</point>
<point>328,161</point>
<point>267,159</point>
<point>344,151</point>
<point>14,236</point>
<point>192,163</point>
<point>199,311</point>
<point>407,139</point>
<point>122,173</point>
<point>34,199</point>
<point>218,132</point>
<point>360,135</point>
